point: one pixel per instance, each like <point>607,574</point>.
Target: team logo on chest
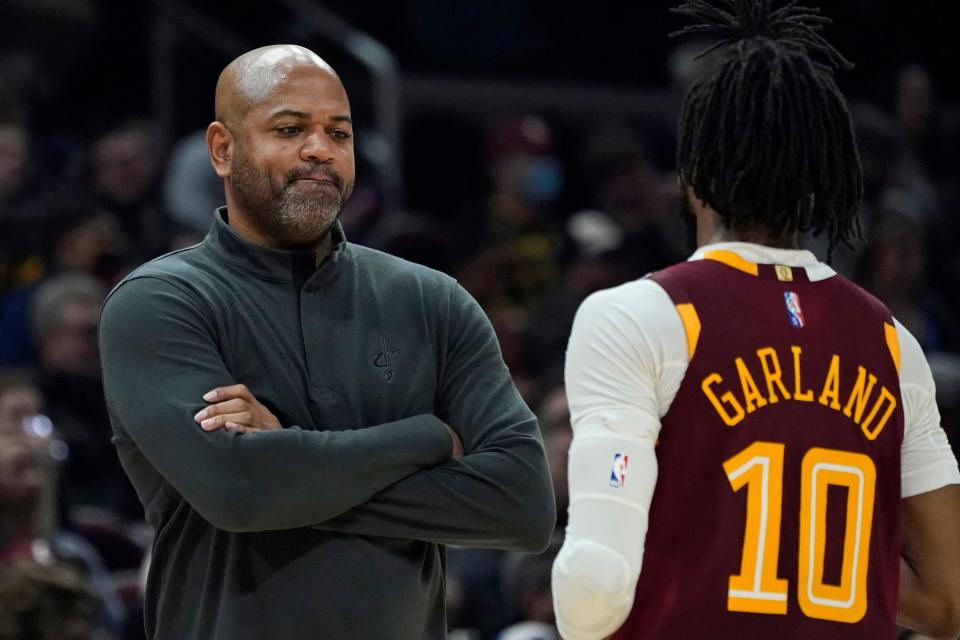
<point>794,312</point>
<point>385,359</point>
<point>618,475</point>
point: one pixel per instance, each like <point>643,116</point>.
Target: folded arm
<point>160,357</point>
<point>499,493</point>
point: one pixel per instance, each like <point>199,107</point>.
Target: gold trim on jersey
<point>691,326</point>
<point>731,259</point>
<point>890,332</point>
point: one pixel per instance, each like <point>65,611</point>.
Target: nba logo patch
<point>793,309</point>
<point>618,475</point>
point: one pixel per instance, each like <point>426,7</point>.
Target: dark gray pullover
<point>333,527</point>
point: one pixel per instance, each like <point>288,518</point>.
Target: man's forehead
<point>303,94</point>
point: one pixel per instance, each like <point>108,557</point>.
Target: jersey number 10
<point>757,589</point>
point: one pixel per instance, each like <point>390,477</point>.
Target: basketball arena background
<point>523,146</point>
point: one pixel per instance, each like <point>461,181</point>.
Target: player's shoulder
<point>175,263</point>
<point>639,307</point>
<point>179,269</point>
<point>389,264</point>
<point>856,294</point>
<point>392,274</point>
<point>914,368</point>
<point>693,268</point>
<point>633,297</point>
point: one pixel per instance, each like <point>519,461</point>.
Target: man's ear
<point>220,145</point>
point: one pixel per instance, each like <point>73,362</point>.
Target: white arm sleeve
<point>625,360</point>
<point>926,460</point>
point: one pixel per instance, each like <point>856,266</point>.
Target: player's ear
<point>220,145</point>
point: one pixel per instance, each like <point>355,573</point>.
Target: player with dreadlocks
<point>752,430</point>
<point>768,142</point>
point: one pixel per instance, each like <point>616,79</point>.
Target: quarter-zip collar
<point>276,265</point>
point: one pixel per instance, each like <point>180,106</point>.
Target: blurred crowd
<point>531,212</point>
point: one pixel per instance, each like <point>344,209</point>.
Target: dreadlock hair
<point>766,139</point>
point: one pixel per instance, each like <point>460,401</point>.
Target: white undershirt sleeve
<point>926,459</point>
<point>625,361</point>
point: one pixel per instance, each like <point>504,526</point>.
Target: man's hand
<point>457,451</point>
<point>236,409</point>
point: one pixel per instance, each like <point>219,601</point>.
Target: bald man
<point>309,422</point>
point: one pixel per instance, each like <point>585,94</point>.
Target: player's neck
<point>711,229</point>
<point>713,234</point>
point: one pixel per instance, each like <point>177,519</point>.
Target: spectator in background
<point>64,316</point>
<point>46,602</point>
<point>20,399</point>
<point>893,268</point>
<point>76,239</point>
<point>592,259</point>
<point>191,188</point>
<point>125,179</point>
<point>29,527</point>
<point>21,246</point>
<point>89,241</point>
<point>921,136</point>
<point>924,125</point>
<point>27,510</point>
<point>516,262</point>
<point>64,323</point>
<point>21,413</point>
<point>527,178</point>
<point>627,186</point>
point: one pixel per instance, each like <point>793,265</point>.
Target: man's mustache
<point>316,173</point>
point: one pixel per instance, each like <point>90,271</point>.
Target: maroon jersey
<point>776,510</point>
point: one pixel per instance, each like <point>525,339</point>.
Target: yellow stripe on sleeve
<point>691,325</point>
<point>893,343</point>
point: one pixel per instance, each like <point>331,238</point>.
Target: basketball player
<point>751,429</point>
